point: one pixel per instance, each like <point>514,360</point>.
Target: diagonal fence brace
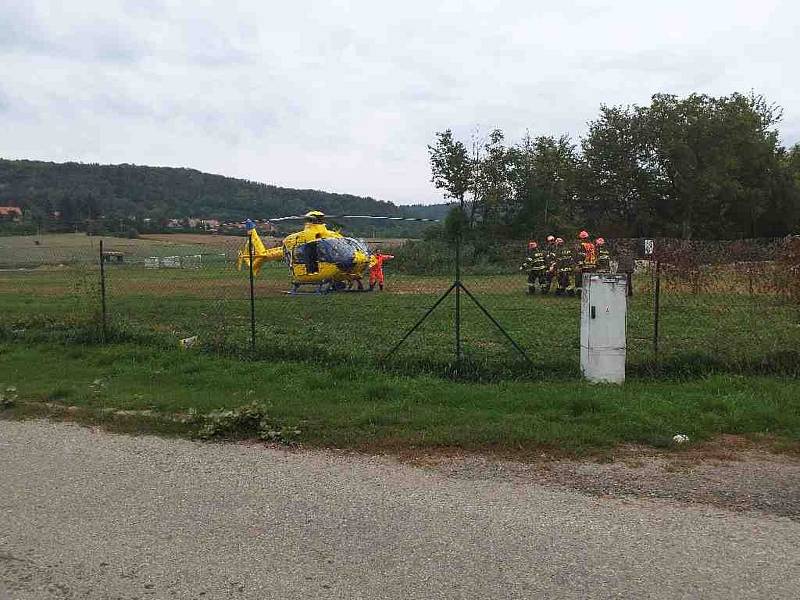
<point>420,322</point>
<point>496,324</point>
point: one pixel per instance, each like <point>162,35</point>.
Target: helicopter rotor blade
<point>291,218</point>
<point>383,218</point>
<point>302,217</point>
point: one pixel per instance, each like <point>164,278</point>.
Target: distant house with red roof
<point>10,213</point>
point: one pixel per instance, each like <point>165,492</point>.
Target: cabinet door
<point>607,304</point>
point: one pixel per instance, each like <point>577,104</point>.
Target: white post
<point>604,303</point>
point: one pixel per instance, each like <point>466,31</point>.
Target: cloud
<point>345,96</point>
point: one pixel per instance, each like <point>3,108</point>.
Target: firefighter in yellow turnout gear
<point>564,267</point>
<point>536,264</point>
<point>603,256</point>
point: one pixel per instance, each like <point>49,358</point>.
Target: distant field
<point>71,248</point>
<point>190,239</point>
<point>24,251</point>
<point>205,240</point>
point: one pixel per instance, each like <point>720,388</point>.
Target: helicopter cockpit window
<point>340,251</point>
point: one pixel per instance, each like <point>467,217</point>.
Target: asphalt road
<point>85,514</point>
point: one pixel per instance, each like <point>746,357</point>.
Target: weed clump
<point>8,397</point>
<point>249,420</point>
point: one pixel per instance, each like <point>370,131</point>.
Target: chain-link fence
<point>727,306</point>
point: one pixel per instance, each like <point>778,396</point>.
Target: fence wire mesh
<point>731,306</point>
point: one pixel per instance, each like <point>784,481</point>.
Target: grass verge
<point>348,406</point>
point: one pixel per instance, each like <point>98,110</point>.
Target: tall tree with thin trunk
<point>451,166</point>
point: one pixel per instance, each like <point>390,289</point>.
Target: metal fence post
<point>458,299</point>
<point>656,309</point>
<point>252,298</point>
<point>103,293</point>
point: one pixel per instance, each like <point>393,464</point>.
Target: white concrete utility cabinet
<point>604,305</point>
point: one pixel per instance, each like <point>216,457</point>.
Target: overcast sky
<point>345,96</point>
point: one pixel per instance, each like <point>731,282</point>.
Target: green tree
<point>451,167</point>
<point>617,180</point>
<point>791,162</point>
<point>721,159</point>
<point>691,167</point>
<point>496,204</point>
<point>542,177</point>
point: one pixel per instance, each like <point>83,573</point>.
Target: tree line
<point>698,167</point>
<point>70,195</point>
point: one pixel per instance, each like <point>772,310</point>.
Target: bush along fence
<point>697,307</point>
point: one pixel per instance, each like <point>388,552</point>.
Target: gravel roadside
<point>732,476</point>
<point>87,514</point>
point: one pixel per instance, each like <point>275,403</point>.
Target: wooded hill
<point>89,192</point>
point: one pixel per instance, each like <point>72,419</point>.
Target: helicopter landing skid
<point>319,291</point>
<point>324,288</point>
<point>324,292</point>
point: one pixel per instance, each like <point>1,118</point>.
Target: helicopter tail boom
<point>261,253</point>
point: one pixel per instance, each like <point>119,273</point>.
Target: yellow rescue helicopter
<point>315,255</point>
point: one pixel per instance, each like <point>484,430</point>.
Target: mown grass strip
<point>349,406</point>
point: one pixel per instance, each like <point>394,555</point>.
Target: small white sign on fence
<point>649,246</point>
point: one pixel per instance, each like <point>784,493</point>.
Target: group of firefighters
<point>564,264</point>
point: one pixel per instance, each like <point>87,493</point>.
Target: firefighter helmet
<point>584,235</point>
<point>599,241</point>
<point>550,239</point>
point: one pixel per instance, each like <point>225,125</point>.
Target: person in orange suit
<point>376,269</point>
<point>587,259</point>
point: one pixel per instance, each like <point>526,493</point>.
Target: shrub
<point>8,397</point>
<point>250,420</point>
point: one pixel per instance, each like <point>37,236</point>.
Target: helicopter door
<point>312,257</point>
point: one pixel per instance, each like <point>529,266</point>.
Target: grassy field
<point>349,406</point>
<point>728,362</point>
<point>699,333</point>
<point>702,328</point>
